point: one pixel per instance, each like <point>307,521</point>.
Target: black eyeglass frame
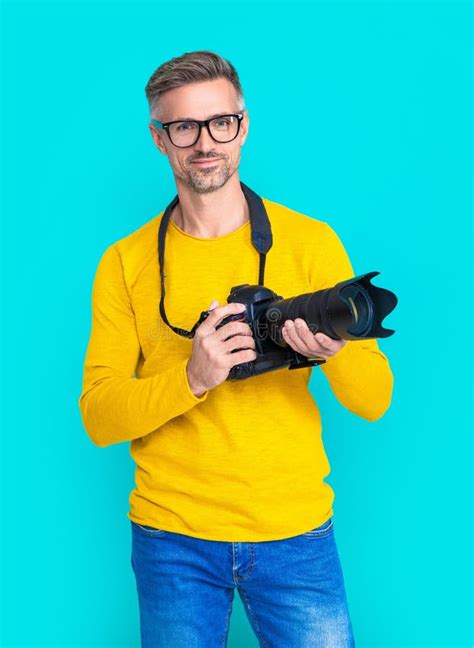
<point>201,124</point>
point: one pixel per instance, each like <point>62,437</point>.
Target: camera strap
<point>261,239</point>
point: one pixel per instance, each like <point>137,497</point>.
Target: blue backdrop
<point>383,92</point>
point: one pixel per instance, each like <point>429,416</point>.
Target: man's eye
<point>185,126</point>
<point>222,123</point>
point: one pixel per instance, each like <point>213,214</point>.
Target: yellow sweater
<point>245,462</point>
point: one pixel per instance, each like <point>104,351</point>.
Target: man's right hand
<point>211,359</point>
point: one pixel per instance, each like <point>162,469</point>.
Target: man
<point>229,478</point>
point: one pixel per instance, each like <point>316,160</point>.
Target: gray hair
<point>191,67</point>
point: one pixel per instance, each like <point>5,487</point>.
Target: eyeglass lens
<point>185,133</point>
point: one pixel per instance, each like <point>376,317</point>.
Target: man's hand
<point>298,336</point>
<point>212,356</point>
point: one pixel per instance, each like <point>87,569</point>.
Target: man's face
<point>201,101</point>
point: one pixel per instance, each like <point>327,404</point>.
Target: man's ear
<point>245,126</point>
<point>157,139</point>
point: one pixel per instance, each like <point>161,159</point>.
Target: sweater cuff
<point>186,386</point>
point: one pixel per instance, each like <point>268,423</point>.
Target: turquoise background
<point>383,91</point>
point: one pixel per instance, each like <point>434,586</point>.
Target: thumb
<point>214,304</point>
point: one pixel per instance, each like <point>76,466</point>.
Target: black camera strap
<point>261,239</point>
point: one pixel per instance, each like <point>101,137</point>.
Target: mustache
<point>213,157</point>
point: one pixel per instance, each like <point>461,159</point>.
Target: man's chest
<point>194,277</point>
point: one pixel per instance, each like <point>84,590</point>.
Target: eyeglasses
<point>222,129</point>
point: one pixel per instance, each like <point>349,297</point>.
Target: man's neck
<point>214,214</point>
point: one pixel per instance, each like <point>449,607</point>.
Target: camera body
<point>271,349</point>
<point>351,310</point>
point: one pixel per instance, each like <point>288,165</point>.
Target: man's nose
<point>205,141</point>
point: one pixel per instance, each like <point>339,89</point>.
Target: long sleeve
<point>115,405</point>
<point>359,374</point>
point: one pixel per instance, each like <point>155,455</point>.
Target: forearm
<point>195,384</point>
<point>116,409</point>
<point>361,378</point>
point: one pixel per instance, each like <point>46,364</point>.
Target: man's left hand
<point>298,336</point>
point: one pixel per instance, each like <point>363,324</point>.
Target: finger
<point>297,338</point>
<point>233,328</point>
<point>325,342</point>
<point>318,355</point>
<point>310,350</point>
<point>291,336</point>
<point>307,337</point>
<point>238,342</point>
<point>218,314</point>
<point>246,355</point>
<point>315,342</point>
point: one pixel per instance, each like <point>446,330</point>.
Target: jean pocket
<point>148,529</point>
<point>325,529</point>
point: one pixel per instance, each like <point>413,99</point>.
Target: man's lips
<point>204,162</point>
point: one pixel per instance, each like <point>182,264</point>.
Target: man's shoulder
<point>139,239</point>
<point>292,222</point>
<point>136,250</point>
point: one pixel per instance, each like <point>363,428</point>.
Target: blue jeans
<point>292,590</point>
